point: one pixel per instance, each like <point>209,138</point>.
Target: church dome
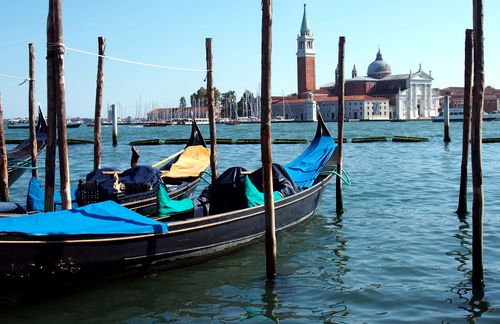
<point>379,68</point>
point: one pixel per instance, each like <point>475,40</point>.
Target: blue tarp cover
<point>105,217</point>
<point>36,197</point>
<point>305,168</point>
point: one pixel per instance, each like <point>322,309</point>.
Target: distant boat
<point>232,122</point>
<point>457,115</point>
<point>282,119</point>
<point>157,124</point>
<point>73,124</point>
<point>23,123</point>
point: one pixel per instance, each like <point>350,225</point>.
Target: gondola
<point>136,188</point>
<point>104,240</point>
<point>19,158</point>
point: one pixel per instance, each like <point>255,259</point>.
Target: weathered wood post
<point>4,174</point>
<point>446,119</point>
<point>211,110</point>
<point>476,153</point>
<point>31,111</point>
<point>115,124</point>
<point>98,104</point>
<point>265,136</point>
<point>53,50</point>
<point>462,197</point>
<point>60,107</point>
<point>340,123</point>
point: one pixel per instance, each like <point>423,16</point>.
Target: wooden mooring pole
<point>462,197</point>
<point>476,153</point>
<point>50,152</point>
<point>60,106</point>
<point>446,119</point>
<point>265,135</point>
<point>98,104</point>
<point>340,123</point>
<point>31,111</point>
<point>115,124</point>
<point>211,110</point>
<point>4,174</point>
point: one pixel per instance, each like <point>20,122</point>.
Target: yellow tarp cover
<point>193,161</point>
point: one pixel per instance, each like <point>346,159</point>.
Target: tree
<point>182,103</point>
<point>228,100</point>
<point>244,103</point>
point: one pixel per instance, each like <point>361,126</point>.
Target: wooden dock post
<point>462,197</point>
<point>211,110</point>
<point>4,174</point>
<point>60,105</point>
<point>98,103</point>
<point>265,135</point>
<point>340,123</point>
<point>476,153</point>
<point>31,111</point>
<point>446,119</point>
<point>54,48</point>
<point>115,124</point>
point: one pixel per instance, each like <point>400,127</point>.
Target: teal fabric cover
<point>254,196</point>
<point>104,218</point>
<point>167,206</point>
<point>305,168</point>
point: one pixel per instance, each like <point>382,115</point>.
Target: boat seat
<point>191,163</point>
<point>11,208</point>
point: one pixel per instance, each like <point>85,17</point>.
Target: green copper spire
<point>304,29</point>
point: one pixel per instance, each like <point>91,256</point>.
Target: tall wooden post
<point>446,119</point>
<point>4,174</point>
<point>31,110</point>
<point>98,104</point>
<point>340,123</point>
<point>265,136</point>
<point>50,152</point>
<point>211,110</point>
<point>462,197</point>
<point>114,124</point>
<point>60,102</point>
<point>476,153</point>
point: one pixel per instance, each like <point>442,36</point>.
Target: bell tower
<point>306,59</point>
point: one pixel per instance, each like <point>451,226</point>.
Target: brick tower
<point>306,61</point>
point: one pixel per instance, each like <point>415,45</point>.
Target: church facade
<point>379,95</point>
<point>410,95</point>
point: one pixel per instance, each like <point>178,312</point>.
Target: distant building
<point>363,108</point>
<point>411,95</point>
<point>306,59</point>
<point>491,97</point>
<point>378,96</point>
<point>164,114</point>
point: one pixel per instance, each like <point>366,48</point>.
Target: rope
<point>346,180</point>
<point>209,174</point>
<point>166,67</point>
<point>17,78</point>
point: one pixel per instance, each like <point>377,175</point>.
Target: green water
<point>398,253</point>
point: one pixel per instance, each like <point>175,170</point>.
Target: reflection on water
<point>463,288</point>
<point>270,301</point>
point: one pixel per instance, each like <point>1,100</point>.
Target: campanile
<point>306,60</point>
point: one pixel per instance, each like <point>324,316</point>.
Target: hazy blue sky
<point>167,32</point>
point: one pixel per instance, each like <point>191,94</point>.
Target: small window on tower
<point>309,44</point>
<point>301,45</point>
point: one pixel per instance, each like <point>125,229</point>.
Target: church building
<point>379,95</point>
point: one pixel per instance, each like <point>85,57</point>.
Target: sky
<point>172,33</point>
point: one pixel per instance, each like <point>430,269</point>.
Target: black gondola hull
<point>66,260</point>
